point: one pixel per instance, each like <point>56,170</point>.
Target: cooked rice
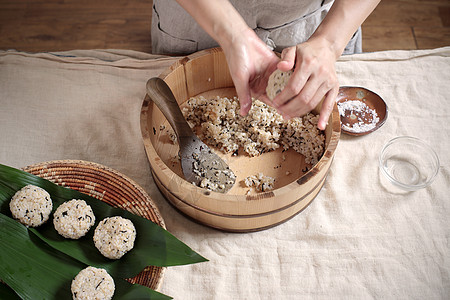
<point>31,206</point>
<point>73,219</point>
<point>276,83</point>
<point>92,283</point>
<point>262,130</point>
<point>260,182</point>
<point>114,236</point>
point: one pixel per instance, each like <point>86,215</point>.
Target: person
<point>310,34</point>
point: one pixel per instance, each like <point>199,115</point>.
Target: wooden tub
<point>297,184</point>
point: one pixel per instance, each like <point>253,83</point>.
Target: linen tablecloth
<point>359,239</point>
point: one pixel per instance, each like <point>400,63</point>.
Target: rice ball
<point>276,83</point>
<point>114,236</point>
<point>93,283</point>
<point>31,206</point>
<point>73,219</point>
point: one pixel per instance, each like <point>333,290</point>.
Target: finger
<point>245,99</point>
<point>307,100</point>
<point>287,59</point>
<point>302,74</point>
<point>327,108</point>
<point>258,85</point>
<point>297,98</point>
<point>263,98</point>
<point>290,90</point>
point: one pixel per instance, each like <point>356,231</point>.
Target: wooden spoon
<point>200,165</point>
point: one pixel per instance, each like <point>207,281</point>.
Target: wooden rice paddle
<point>198,161</point>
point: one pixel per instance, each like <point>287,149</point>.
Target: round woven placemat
<point>111,187</point>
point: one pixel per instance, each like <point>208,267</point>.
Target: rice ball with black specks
<point>114,236</point>
<point>93,283</point>
<point>73,219</point>
<point>31,206</point>
<point>276,83</point>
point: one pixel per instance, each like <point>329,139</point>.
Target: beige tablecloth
<point>359,239</point>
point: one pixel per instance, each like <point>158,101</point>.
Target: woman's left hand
<point>314,78</point>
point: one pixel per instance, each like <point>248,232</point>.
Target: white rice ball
<point>31,205</point>
<point>276,83</point>
<point>73,219</point>
<point>114,236</point>
<point>93,283</point>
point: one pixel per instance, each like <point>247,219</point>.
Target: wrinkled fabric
<point>279,24</point>
<point>359,239</point>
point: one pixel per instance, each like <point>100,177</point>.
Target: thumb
<point>287,59</point>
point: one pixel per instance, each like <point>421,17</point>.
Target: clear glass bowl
<point>409,163</point>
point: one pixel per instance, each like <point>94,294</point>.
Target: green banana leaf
<point>7,293</point>
<point>34,270</point>
<point>154,246</point>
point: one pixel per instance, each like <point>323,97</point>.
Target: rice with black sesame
<point>93,283</point>
<point>260,182</point>
<point>262,130</point>
<point>73,219</point>
<point>31,206</point>
<point>114,236</point>
<point>276,83</point>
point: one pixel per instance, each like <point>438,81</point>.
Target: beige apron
<point>279,24</point>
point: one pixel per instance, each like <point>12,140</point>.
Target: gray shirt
<point>279,24</point>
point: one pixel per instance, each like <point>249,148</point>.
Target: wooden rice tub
<point>297,184</point>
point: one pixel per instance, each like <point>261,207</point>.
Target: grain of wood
<point>430,38</point>
<point>375,38</point>
<point>57,25</point>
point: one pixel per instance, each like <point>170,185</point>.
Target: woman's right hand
<point>250,62</point>
<point>249,59</point>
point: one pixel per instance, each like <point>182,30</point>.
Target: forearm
<point>218,18</point>
<point>342,21</point>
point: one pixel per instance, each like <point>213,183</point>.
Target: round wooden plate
<point>111,187</point>
<point>352,118</point>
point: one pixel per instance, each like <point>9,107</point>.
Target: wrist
<point>332,46</point>
<point>231,32</point>
<point>218,18</point>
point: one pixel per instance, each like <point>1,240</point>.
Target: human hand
<point>314,78</point>
<point>250,62</point>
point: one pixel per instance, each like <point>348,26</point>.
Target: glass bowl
<point>409,163</point>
